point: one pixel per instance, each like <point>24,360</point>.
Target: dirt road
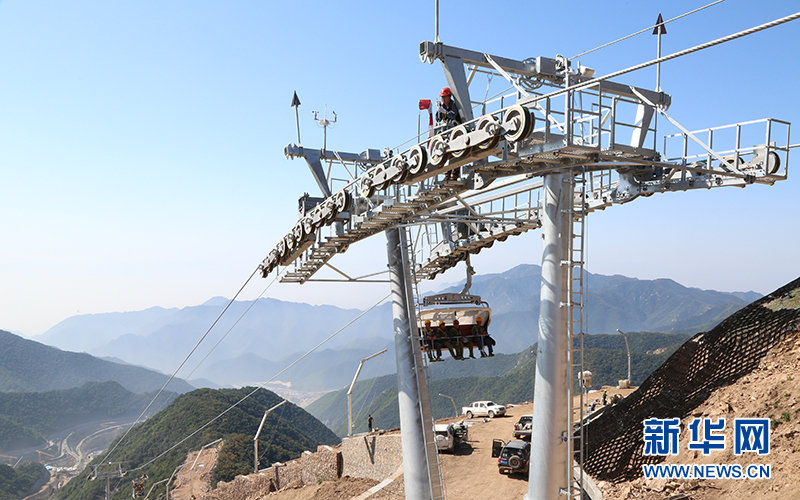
<point>469,471</point>
<point>473,469</point>
<point>195,479</point>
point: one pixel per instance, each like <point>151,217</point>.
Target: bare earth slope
<point>771,391</point>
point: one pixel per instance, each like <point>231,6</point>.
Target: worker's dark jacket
<point>448,114</point>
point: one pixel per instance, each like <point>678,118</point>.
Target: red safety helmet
<point>445,91</point>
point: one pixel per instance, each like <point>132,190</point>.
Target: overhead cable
<point>108,456</point>
<point>262,384</point>
<point>696,48</point>
<point>185,378</point>
<point>646,29</point>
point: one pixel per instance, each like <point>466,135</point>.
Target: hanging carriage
<point>448,307</point>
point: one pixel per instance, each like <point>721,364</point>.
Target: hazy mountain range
<point>29,366</point>
<point>275,333</point>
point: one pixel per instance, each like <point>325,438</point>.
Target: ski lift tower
<point>557,144</point>
<point>107,471</point>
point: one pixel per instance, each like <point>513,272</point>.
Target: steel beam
<point>544,68</point>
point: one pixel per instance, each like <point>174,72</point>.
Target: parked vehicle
<point>522,429</point>
<point>483,409</point>
<point>450,436</point>
<point>513,456</point>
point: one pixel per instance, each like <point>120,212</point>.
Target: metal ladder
<point>421,368</point>
<point>577,296</point>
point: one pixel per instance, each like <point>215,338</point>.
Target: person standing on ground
<point>369,422</point>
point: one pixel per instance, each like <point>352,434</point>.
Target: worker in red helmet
<point>446,109</point>
<point>447,113</point>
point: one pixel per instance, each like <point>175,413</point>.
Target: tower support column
<point>548,475</point>
<point>415,462</point>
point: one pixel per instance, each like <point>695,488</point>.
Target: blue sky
<point>141,143</point>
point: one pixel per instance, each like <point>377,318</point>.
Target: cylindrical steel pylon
<point>548,464</point>
<point>415,462</point>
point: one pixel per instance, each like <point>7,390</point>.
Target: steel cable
<point>184,379</point>
<point>681,53</point>
<point>108,456</point>
<point>261,385</point>
<point>646,29</point>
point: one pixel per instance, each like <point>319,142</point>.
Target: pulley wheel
<point>457,132</point>
<point>343,201</point>
<point>308,225</point>
<point>773,163</point>
<point>329,210</point>
<point>281,248</point>
<point>437,151</point>
<point>518,123</point>
<point>380,173</point>
<point>366,187</point>
<point>491,125</point>
<point>417,159</point>
<point>400,165</point>
<point>770,162</point>
<point>299,231</point>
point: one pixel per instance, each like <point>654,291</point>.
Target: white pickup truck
<point>483,409</point>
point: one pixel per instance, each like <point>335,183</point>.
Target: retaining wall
<point>310,468</point>
<point>373,456</point>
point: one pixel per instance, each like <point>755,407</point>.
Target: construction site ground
<point>469,470</point>
<point>192,482</point>
<point>772,390</point>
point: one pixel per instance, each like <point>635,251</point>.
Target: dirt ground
<point>771,391</point>
<point>194,479</point>
<point>471,469</point>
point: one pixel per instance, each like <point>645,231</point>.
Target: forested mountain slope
<point>157,446</point>
<point>29,366</point>
<point>27,418</point>
<point>605,356</point>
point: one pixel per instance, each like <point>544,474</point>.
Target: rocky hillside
<point>744,368</point>
<point>770,391</point>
